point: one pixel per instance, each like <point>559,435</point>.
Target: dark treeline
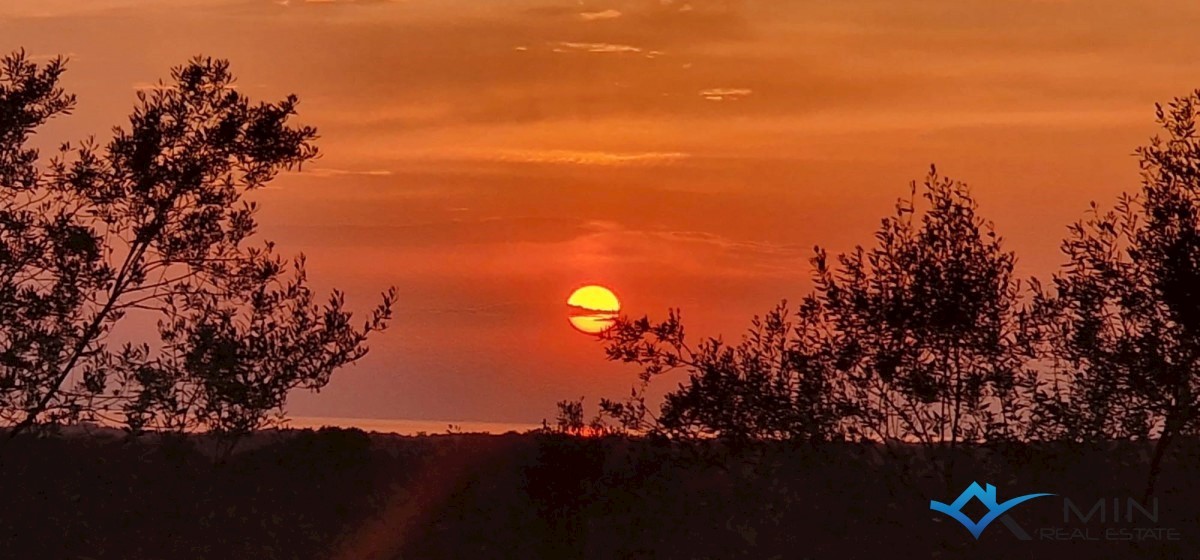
<point>346,495</point>
<point>927,337</point>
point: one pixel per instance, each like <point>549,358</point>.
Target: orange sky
<point>488,156</point>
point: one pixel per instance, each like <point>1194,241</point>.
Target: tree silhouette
<point>52,257</point>
<point>154,223</point>
<point>1122,319</point>
<point>927,326</point>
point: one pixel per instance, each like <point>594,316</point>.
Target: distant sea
<point>407,427</point>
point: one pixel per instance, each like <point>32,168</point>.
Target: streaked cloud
<point>596,47</point>
<point>48,9</point>
<point>573,157</point>
<point>689,253</point>
<point>148,86</point>
<point>69,56</point>
<point>334,172</point>
<point>601,15</point>
<point>723,94</point>
<point>329,2</point>
<point>724,243</point>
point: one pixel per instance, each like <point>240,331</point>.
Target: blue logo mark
<point>987,498</point>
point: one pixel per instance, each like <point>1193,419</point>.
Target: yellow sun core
<point>593,309</point>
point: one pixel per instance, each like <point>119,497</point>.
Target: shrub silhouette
<point>774,384</point>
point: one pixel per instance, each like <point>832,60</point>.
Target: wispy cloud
<point>575,157</point>
<point>563,46</point>
<point>334,172</point>
<point>328,2</point>
<point>605,14</point>
<point>71,56</point>
<point>723,94</point>
<point>733,245</point>
<point>147,86</point>
<point>688,252</point>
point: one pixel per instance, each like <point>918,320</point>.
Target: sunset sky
<point>487,157</point>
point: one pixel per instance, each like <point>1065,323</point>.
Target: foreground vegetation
<point>928,337</point>
<point>347,494</point>
<point>915,367</point>
<point>154,224</point>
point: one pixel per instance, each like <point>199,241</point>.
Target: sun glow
<point>593,309</point>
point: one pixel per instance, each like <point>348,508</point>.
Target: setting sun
<point>594,298</point>
<point>816,257</point>
<point>593,309</point>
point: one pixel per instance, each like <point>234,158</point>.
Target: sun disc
<point>595,298</point>
<point>594,309</point>
<point>592,324</point>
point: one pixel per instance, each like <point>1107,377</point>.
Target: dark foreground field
<point>346,494</point>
